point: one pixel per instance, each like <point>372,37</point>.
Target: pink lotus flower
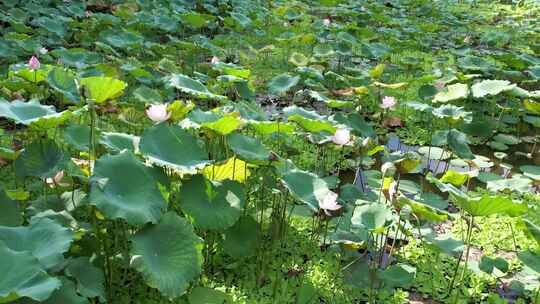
<point>326,21</point>
<point>88,14</point>
<point>214,60</point>
<point>158,113</point>
<point>388,102</point>
<point>329,203</point>
<point>341,137</point>
<point>440,85</point>
<point>34,64</point>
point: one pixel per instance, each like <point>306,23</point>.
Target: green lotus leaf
<point>332,103</point>
<point>356,123</point>
<point>372,217</point>
<point>63,81</point>
<point>26,277</point>
<point>490,88</point>
<point>434,153</point>
<point>506,139</point>
<point>213,205</point>
<point>309,120</point>
<point>168,255</point>
<point>533,120</point>
<point>516,183</point>
<point>399,275</point>
<point>197,20</point>
<point>192,87</point>
<point>487,205</point>
<point>530,259</point>
<point>78,136</point>
<point>43,238</point>
<point>298,59</point>
<point>248,148</point>
<point>232,69</point>
<point>90,279</point>
<point>115,178</point>
<point>455,178</point>
<point>26,113</point>
<point>532,106</point>
<point>270,127</point>
<point>11,214</point>
<point>423,211</point>
<point>241,240</point>
<point>205,295</point>
<point>117,142</point>
<point>445,244</point>
<point>452,92</point>
<point>496,266</point>
<point>452,113</point>
<point>34,76</point>
<point>66,294</point>
<point>282,83</point>
<point>174,148</point>
<point>306,187</point>
<point>531,171</point>
<point>101,88</point>
<point>121,38</point>
<point>225,125</point>
<point>459,143</point>
<point>533,230</point>
<point>42,158</point>
<point>147,95</point>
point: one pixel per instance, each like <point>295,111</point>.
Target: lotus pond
<point>250,151</point>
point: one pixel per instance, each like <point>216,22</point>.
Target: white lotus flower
<point>214,60</point>
<point>329,203</point>
<point>56,179</point>
<point>341,137</point>
<point>158,113</point>
<point>43,51</point>
<point>326,21</point>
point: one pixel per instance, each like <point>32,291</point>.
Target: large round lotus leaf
<point>25,112</point>
<point>174,148</point>
<point>248,148</point>
<point>241,240</point>
<point>506,139</point>
<point>371,217</point>
<point>117,142</point>
<point>103,88</point>
<point>282,83</point>
<point>191,86</point>
<point>90,279</point>
<point>44,239</point>
<point>532,106</point>
<point>445,244</point>
<point>490,88</point>
<point>26,277</point>
<point>122,187</point>
<point>459,143</point>
<point>533,230</point>
<point>205,295</point>
<point>270,127</point>
<point>452,92</point>
<point>533,120</point>
<point>423,211</point>
<point>11,214</point>
<point>487,205</point>
<point>309,120</point>
<point>306,187</point>
<point>225,125</point>
<point>78,136</point>
<point>434,153</point>
<point>531,171</point>
<point>298,59</point>
<point>518,184</point>
<point>66,294</point>
<point>168,255</point>
<point>42,158</point>
<point>212,205</point>
<point>233,169</point>
<point>63,81</point>
<point>399,275</point>
<point>356,123</point>
<point>121,38</point>
<point>452,113</point>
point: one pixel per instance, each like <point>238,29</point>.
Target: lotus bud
<point>341,137</point>
<point>367,142</point>
<point>158,113</point>
<point>388,169</point>
<point>34,64</point>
